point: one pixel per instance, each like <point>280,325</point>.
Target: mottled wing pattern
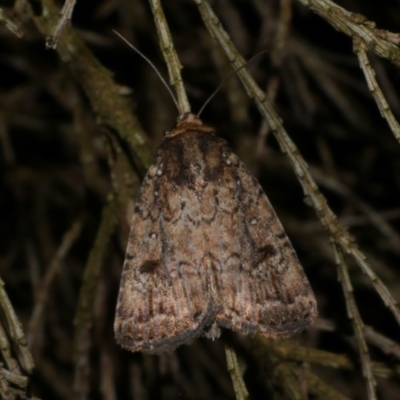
<point>206,250</point>
<point>161,304</point>
<point>261,284</point>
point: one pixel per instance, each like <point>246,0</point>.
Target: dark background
<point>61,160</point>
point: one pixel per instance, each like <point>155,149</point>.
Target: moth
<point>206,251</point>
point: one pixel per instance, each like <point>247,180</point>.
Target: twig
<point>239,386</point>
<point>278,372</point>
<point>359,220</point>
<point>108,385</point>
<point>51,373</point>
<point>373,216</point>
<point>111,109</point>
<point>84,312</point>
<point>65,18</point>
<point>43,292</point>
<point>279,46</point>
<point>170,56</point>
<point>206,361</point>
<point>356,321</point>
<point>278,53</point>
<point>14,330</point>
<point>386,112</point>
<point>313,196</point>
<point>382,290</point>
<point>330,78</point>
<point>5,390</point>
<point>382,370</point>
<point>6,352</point>
<point>287,350</point>
<point>290,351</point>
<point>381,42</point>
<point>387,345</point>
<point>10,25</point>
<point>281,38</point>
<point>284,373</point>
<point>319,388</point>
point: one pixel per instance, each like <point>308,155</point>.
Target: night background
<point>78,128</point>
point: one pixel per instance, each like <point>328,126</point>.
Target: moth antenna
<point>154,68</point>
<point>226,79</point>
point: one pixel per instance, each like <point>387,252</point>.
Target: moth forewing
<point>206,250</point>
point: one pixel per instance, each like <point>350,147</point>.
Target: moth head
<point>188,118</point>
<point>188,122</point>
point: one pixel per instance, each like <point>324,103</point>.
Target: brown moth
<point>206,251</point>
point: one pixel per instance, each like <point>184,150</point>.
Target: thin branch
<point>355,318</point>
<point>5,389</point>
<point>381,42</point>
<point>284,373</point>
<point>373,216</point>
<point>287,350</point>
<point>382,370</point>
<point>18,380</point>
<point>277,372</point>
<point>7,353</point>
<point>319,388</point>
<point>14,330</point>
<point>278,52</point>
<point>291,351</point>
<point>111,109</point>
<point>170,56</point>
<point>65,18</point>
<point>384,108</point>
<point>10,25</point>
<point>239,386</point>
<point>387,345</point>
<point>84,312</point>
<point>374,338</point>
<point>43,292</point>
